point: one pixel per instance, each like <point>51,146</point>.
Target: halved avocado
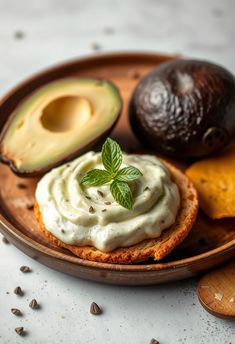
<point>57,123</point>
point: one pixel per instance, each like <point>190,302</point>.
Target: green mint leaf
<point>112,160</point>
<point>127,174</point>
<point>111,156</point>
<point>95,177</point>
<point>122,194</point>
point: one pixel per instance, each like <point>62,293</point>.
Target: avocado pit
<point>70,111</point>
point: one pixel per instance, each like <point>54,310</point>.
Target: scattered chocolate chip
<point>30,206</point>
<point>107,203</point>
<point>88,197</point>
<point>62,231</point>
<point>95,46</point>
<point>103,210</point>
<point>21,186</point>
<point>100,193</point>
<point>95,309</point>
<point>7,292</point>
<point>25,269</point>
<point>33,304</point>
<point>19,34</point>
<point>91,210</point>
<point>154,341</point>
<point>5,241</point>
<point>134,74</point>
<point>18,291</point>
<point>147,188</point>
<point>16,311</point>
<point>20,331</point>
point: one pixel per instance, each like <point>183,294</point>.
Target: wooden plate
<point>210,242</point>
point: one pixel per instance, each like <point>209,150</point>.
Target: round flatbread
<point>150,248</point>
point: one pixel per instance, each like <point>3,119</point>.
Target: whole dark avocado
<point>185,108</point>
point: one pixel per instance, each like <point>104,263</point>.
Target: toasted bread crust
<point>150,248</point>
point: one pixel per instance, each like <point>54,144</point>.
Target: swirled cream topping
<point>90,216</point>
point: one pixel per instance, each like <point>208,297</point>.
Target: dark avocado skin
<point>185,108</point>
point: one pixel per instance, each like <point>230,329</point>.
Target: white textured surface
<point>55,30</point>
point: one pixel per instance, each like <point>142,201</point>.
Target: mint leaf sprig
<point>112,159</point>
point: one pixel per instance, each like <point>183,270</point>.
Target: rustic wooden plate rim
<point>84,59</point>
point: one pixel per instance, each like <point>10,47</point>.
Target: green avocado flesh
<point>57,122</point>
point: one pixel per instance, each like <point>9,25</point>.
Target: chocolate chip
<point>18,291</point>
<point>95,46</point>
<point>21,186</point>
<point>147,188</point>
<point>19,34</point>
<point>62,231</point>
<point>16,311</point>
<point>103,210</point>
<point>30,206</point>
<point>107,203</point>
<point>95,309</point>
<point>25,269</point>
<point>134,74</point>
<point>33,304</point>
<point>5,241</point>
<point>91,210</point>
<point>154,341</point>
<point>20,331</point>
<point>88,197</point>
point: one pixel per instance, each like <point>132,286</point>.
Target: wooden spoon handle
<point>216,291</point>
